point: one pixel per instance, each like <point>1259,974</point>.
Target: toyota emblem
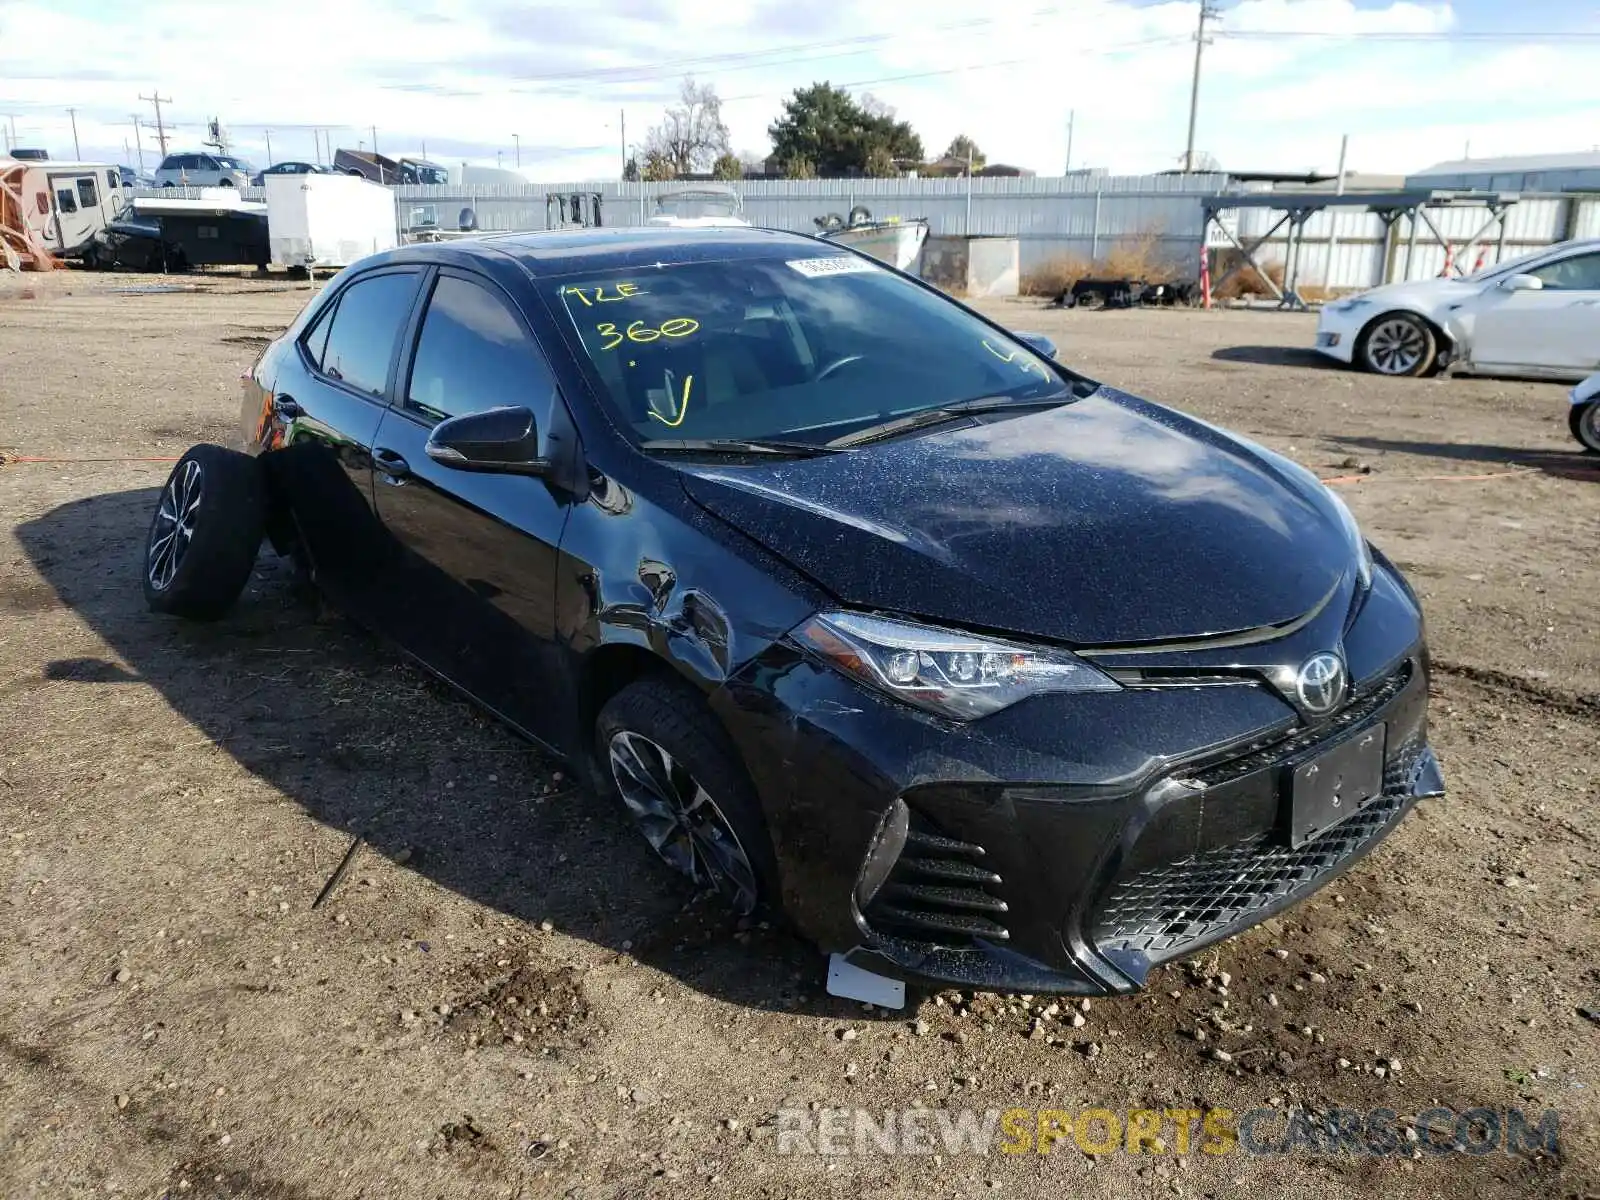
<point>1320,685</point>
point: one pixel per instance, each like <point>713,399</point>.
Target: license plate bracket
<point>1326,789</point>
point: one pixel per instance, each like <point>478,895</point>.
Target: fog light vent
<point>938,889</point>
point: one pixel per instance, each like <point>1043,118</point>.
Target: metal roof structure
<point>1299,206</point>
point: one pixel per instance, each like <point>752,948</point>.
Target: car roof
<point>556,252</point>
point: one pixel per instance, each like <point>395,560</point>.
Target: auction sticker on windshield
<point>844,264</point>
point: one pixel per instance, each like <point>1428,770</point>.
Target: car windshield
<point>807,349</point>
<point>229,163</point>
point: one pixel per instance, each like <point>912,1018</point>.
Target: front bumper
<point>1069,844</point>
<point>1337,333</point>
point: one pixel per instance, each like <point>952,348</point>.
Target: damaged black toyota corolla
<point>864,608</point>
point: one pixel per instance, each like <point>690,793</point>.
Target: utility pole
<point>622,116</point>
<point>138,143</point>
<point>161,130</point>
<point>1207,13</point>
<point>268,132</point>
<point>76,153</point>
<point>4,131</point>
<point>1072,114</point>
<point>516,139</point>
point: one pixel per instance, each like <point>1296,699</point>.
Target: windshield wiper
<point>939,416</point>
<point>738,446</point>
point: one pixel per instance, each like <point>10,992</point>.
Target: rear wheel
<point>204,536</point>
<point>667,758</point>
<point>1397,344</point>
<point>1584,421</point>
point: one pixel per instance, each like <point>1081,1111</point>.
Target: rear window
<point>86,193</point>
<point>806,347</point>
<point>65,201</point>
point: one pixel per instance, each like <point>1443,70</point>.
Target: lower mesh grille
<point>1160,911</point>
<point>939,891</point>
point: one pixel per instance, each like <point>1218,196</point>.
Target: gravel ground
<point>508,997</point>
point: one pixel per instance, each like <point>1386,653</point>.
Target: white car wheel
<point>1397,344</point>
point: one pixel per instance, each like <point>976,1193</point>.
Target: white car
<point>1536,315</point>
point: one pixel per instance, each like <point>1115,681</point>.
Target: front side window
<point>366,329</point>
<point>801,348</point>
<point>472,355</point>
<point>65,201</point>
<point>86,193</point>
<point>113,179</point>
<point>1580,273</point>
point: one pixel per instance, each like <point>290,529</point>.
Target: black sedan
<point>290,168</point>
<point>865,609</point>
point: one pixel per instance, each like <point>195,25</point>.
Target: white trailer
<point>328,220</point>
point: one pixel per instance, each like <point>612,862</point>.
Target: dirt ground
<point>508,996</point>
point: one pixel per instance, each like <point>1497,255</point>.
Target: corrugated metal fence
<point>1083,216</point>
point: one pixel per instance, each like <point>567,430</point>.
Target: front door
<point>475,598</point>
<point>325,410</point>
<point>1556,327</point>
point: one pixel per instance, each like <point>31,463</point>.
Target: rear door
<point>75,199</point>
<point>328,401</point>
<point>476,592</point>
<point>1556,328</point>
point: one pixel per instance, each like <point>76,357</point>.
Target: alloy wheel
<point>681,820</point>
<point>1587,427</point>
<point>1396,347</point>
<point>174,524</point>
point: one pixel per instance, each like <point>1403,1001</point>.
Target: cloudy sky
<point>1411,81</point>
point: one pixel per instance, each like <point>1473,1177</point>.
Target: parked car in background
<point>1583,418</point>
<point>861,606</point>
<point>203,170</point>
<point>291,168</point>
<point>1536,315</point>
<point>26,154</point>
<point>135,179</point>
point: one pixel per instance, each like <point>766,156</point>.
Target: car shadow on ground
<point>1572,464</point>
<point>335,720</point>
<point>1277,356</point>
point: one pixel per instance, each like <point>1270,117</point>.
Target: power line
<point>1443,36</point>
<point>644,72</point>
<point>983,66</point>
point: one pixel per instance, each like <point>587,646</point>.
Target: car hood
<point>1421,295</point>
<point>1107,521</point>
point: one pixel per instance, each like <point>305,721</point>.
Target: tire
<point>715,834</point>
<point>1584,421</point>
<point>205,533</point>
<point>1397,344</point>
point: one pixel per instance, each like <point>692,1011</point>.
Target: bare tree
<point>691,136</point>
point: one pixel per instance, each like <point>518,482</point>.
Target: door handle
<point>390,463</point>
<point>287,408</point>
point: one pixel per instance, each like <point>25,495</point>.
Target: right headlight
<point>1358,543</point>
<point>945,671</point>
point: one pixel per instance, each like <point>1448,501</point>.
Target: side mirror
<point>1039,342</point>
<point>1522,283</point>
<point>498,440</point>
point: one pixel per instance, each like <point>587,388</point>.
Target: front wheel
<point>1397,344</point>
<point>1584,421</point>
<point>669,761</point>
<point>203,539</point>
